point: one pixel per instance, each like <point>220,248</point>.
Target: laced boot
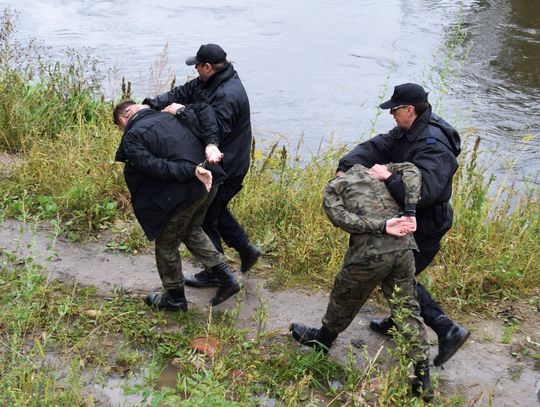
<point>451,337</point>
<point>201,279</point>
<point>248,257</point>
<point>382,325</point>
<point>421,384</point>
<point>228,285</point>
<point>170,300</point>
<point>320,339</point>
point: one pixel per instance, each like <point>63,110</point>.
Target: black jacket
<point>226,94</point>
<point>161,153</point>
<point>433,146</point>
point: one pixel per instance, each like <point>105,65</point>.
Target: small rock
<point>206,345</point>
<point>177,362</point>
<point>92,313</point>
<point>335,385</point>
<point>358,343</point>
<point>236,373</point>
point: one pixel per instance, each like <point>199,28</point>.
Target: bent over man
<point>379,253</point>
<point>218,85</point>
<point>170,192</point>
<point>424,139</point>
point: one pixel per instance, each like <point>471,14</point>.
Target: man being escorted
<point>170,192</point>
<point>218,85</point>
<point>380,253</point>
<point>424,139</point>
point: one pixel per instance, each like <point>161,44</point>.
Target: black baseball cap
<point>405,94</point>
<point>208,54</point>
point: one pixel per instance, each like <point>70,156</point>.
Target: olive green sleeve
<point>340,217</point>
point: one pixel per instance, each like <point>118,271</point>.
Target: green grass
<point>53,335</point>
<point>54,117</point>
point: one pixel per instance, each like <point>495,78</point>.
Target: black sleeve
<point>376,150</point>
<point>181,94</point>
<point>394,184</point>
<point>202,121</point>
<point>437,165</point>
<point>138,155</point>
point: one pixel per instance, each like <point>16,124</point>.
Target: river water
<point>316,70</point>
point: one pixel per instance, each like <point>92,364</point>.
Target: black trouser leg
<point>220,223</point>
<point>429,308</point>
<point>210,223</point>
<point>429,247</point>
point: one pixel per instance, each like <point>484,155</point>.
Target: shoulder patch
<point>431,140</point>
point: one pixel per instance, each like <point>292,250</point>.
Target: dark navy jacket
<point>161,152</point>
<point>226,94</point>
<point>433,146</point>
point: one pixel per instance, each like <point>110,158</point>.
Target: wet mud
<point>485,370</point>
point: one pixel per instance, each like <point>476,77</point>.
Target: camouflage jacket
<point>360,205</point>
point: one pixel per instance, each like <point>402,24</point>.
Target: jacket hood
<point>215,80</point>
<point>431,122</point>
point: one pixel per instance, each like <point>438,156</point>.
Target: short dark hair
<point>220,66</point>
<point>120,109</point>
<point>420,107</point>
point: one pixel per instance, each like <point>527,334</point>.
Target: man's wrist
<point>409,209</point>
<point>179,111</point>
<point>382,228</point>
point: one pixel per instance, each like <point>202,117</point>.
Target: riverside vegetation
<point>54,118</point>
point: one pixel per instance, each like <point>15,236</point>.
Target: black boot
<point>382,325</point>
<point>421,384</point>
<point>228,286</point>
<point>201,279</point>
<point>451,337</point>
<point>248,257</point>
<point>171,300</point>
<point>320,339</point>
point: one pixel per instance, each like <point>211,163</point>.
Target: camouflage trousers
<point>185,227</point>
<point>355,283</point>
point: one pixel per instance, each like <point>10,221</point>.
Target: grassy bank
<point>54,118</point>
<point>60,343</point>
<point>57,340</point>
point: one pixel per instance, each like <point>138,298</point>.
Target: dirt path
<point>484,370</point>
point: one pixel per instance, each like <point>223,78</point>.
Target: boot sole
<point>151,304</point>
<point>310,343</point>
<point>376,328</point>
<point>201,285</point>
<point>245,267</point>
<point>439,362</point>
<point>233,290</point>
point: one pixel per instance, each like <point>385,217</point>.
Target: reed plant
<point>61,128</point>
<point>60,343</point>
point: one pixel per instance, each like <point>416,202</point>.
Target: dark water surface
<point>317,69</point>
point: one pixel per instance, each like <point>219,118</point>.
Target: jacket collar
<point>418,125</point>
<point>138,115</point>
<point>219,77</point>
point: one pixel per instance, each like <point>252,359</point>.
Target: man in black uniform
<point>430,143</point>
<point>218,85</point>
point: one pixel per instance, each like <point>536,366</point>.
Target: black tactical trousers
<point>219,222</point>
<point>429,247</point>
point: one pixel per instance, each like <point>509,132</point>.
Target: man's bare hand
<point>400,226</point>
<point>212,154</point>
<point>131,110</point>
<point>204,176</point>
<point>411,220</point>
<point>172,108</point>
<point>379,172</point>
